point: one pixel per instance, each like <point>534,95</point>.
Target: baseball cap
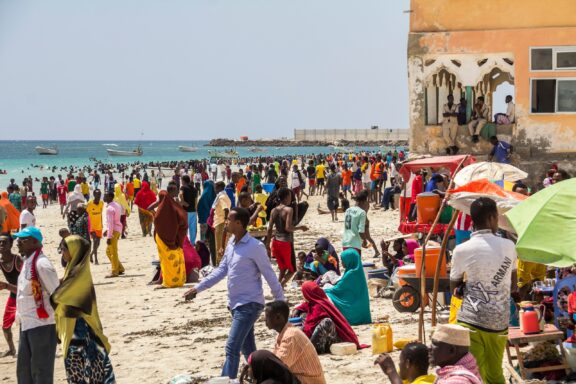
<point>452,334</point>
<point>29,232</point>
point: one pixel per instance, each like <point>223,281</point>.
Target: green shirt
<point>71,185</point>
<point>354,225</point>
<point>44,188</point>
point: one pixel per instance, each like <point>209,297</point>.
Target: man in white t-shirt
<point>214,171</point>
<point>27,218</point>
<point>485,266</point>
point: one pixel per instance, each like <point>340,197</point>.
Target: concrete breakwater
<point>294,143</point>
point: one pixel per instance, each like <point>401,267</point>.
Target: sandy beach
<point>155,335</point>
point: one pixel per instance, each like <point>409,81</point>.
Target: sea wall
<point>302,143</point>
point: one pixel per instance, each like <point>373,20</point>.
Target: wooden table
<point>516,338</point>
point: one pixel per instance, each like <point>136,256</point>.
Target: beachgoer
<point>188,198</point>
<point>62,196</point>
<point>15,197</point>
<point>143,201</point>
<point>293,347</point>
<point>37,281</point>
<point>510,116</point>
<point>501,150</point>
<point>281,245</point>
<point>320,175</point>
<point>346,180</point>
<point>219,212</point>
<point>170,228</point>
<point>44,191</point>
<point>560,175</point>
<point>450,125</point>
<point>323,258</point>
<point>350,294</point>
<point>333,182</point>
<point>245,201</point>
<point>479,119</point>
<point>489,262</point>
<point>86,348</point>
<point>204,205</point>
<point>95,209</point>
<point>245,262</point>
<point>450,352</point>
<point>356,230</point>
<point>113,233</point>
<point>11,265</point>
<point>78,222</point>
<point>74,198</point>
<point>120,199</point>
<point>324,324</point>
<point>264,367</point>
<point>27,218</point>
<point>311,173</point>
<point>12,221</point>
<point>413,364</point>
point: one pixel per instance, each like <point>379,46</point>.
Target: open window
<point>553,95</point>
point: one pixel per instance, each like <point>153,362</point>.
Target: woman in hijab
<point>74,198</point>
<point>120,198</point>
<point>350,294</point>
<point>144,199</point>
<point>324,324</point>
<point>78,222</point>
<point>12,222</point>
<point>324,258</point>
<point>86,349</point>
<point>264,367</point>
<point>204,205</point>
<point>170,228</point>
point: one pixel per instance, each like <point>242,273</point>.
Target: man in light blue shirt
<point>245,261</point>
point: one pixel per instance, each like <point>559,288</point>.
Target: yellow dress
<point>171,264</point>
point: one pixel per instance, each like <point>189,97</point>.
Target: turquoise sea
<point>19,158</point>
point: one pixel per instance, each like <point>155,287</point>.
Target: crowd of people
<point>216,217</point>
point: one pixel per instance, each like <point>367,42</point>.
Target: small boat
<point>184,148</point>
<point>110,145</point>
<point>227,154</point>
<point>115,152</point>
<point>46,150</point>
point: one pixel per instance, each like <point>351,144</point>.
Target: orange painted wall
<point>518,43</point>
<point>462,15</point>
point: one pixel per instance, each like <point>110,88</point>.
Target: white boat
<point>115,152</point>
<point>184,148</point>
<point>110,145</point>
<point>228,154</point>
<point>46,150</point>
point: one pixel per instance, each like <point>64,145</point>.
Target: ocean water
<point>20,159</point>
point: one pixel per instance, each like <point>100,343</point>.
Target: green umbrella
<point>546,225</point>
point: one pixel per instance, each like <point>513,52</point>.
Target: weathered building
<point>469,48</point>
<point>351,135</point>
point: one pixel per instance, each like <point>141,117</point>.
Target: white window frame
<point>556,112</point>
<point>555,50</point>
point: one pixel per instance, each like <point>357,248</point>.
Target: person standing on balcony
<point>450,126</point>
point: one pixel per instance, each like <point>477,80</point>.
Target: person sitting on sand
<point>281,244</point>
<point>293,349</point>
<point>413,365</point>
<point>86,348</point>
<point>323,323</point>
<point>350,294</point>
<point>323,258</point>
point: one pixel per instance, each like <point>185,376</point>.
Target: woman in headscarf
<point>120,198</point>
<point>74,198</point>
<point>170,229</point>
<point>144,199</point>
<point>204,205</point>
<point>86,348</point>
<point>324,258</point>
<point>324,324</point>
<point>264,367</point>
<point>78,222</point>
<point>12,222</point>
<point>350,294</point>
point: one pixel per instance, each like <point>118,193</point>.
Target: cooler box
<point>381,273</point>
<point>368,266</point>
<point>408,270</point>
<point>427,205</point>
<point>432,254</point>
<point>268,187</point>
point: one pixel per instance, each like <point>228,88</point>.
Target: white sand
<point>155,335</point>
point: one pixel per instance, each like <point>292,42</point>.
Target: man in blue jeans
<point>245,261</point>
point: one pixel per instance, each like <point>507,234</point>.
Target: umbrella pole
<point>421,326</point>
<point>439,265</point>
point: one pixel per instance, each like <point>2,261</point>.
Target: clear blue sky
<point>197,69</point>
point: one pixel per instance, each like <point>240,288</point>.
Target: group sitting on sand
<point>207,230</point>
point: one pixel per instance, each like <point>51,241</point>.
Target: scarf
<point>206,200</point>
<point>145,197</point>
<point>324,244</point>
<point>319,307</point>
<point>170,221</point>
<point>75,297</point>
<point>120,198</point>
<point>350,294</point>
<point>37,287</point>
<point>76,195</point>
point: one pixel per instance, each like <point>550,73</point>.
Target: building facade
<point>334,135</point>
<point>469,49</point>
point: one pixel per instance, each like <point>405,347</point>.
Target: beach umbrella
<point>490,171</point>
<point>461,198</point>
<point>546,225</point>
